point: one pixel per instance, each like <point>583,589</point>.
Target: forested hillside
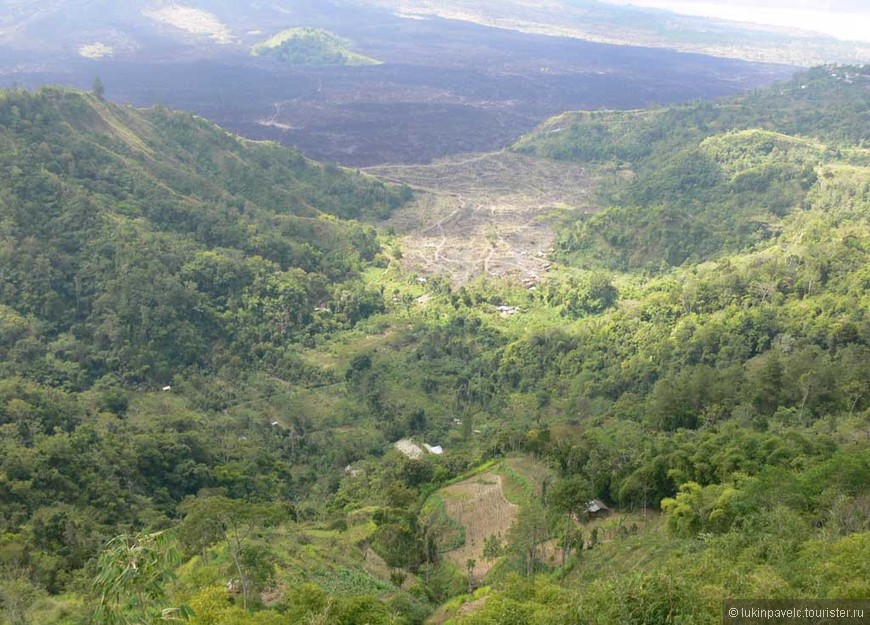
<point>697,360</point>
<point>140,247</point>
<point>688,182</point>
<point>137,243</point>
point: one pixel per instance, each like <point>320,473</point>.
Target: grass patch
<point>523,479</point>
<point>518,489</point>
<point>451,533</point>
<point>345,582</point>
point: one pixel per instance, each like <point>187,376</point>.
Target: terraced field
<point>479,505</point>
<point>466,513</point>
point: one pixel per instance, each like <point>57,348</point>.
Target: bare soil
<point>485,214</point>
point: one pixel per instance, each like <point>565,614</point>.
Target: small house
<point>596,508</point>
<point>434,449</point>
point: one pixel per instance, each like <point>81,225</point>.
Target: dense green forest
<point>207,353</point>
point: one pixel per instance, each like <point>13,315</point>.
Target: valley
<point>571,334</point>
<point>443,86</point>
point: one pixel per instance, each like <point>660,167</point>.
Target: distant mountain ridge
<point>630,24</point>
<point>433,93</point>
<point>129,28</point>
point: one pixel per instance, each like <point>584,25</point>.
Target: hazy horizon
<point>843,20</point>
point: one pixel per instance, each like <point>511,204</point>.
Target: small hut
<point>596,508</point>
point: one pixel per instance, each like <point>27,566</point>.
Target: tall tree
<point>570,496</point>
<point>211,519</point>
<point>98,89</point>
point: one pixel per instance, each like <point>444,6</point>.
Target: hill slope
<point>139,250</point>
<point>146,234</point>
<point>690,182</point>
<point>719,409</point>
<point>311,46</point>
<point>636,24</point>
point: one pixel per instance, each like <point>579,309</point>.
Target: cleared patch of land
<point>478,504</point>
<point>485,214</point>
<point>193,21</point>
<point>465,514</point>
<point>95,50</point>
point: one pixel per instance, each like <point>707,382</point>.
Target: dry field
<point>479,505</point>
<point>484,214</point>
<point>193,21</point>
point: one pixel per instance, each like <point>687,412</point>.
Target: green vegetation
<point>143,249</point>
<point>688,183</point>
<point>311,46</point>
<point>717,399</point>
<point>136,239</point>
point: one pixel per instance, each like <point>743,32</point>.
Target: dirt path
<point>275,122</point>
<point>484,214</point>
